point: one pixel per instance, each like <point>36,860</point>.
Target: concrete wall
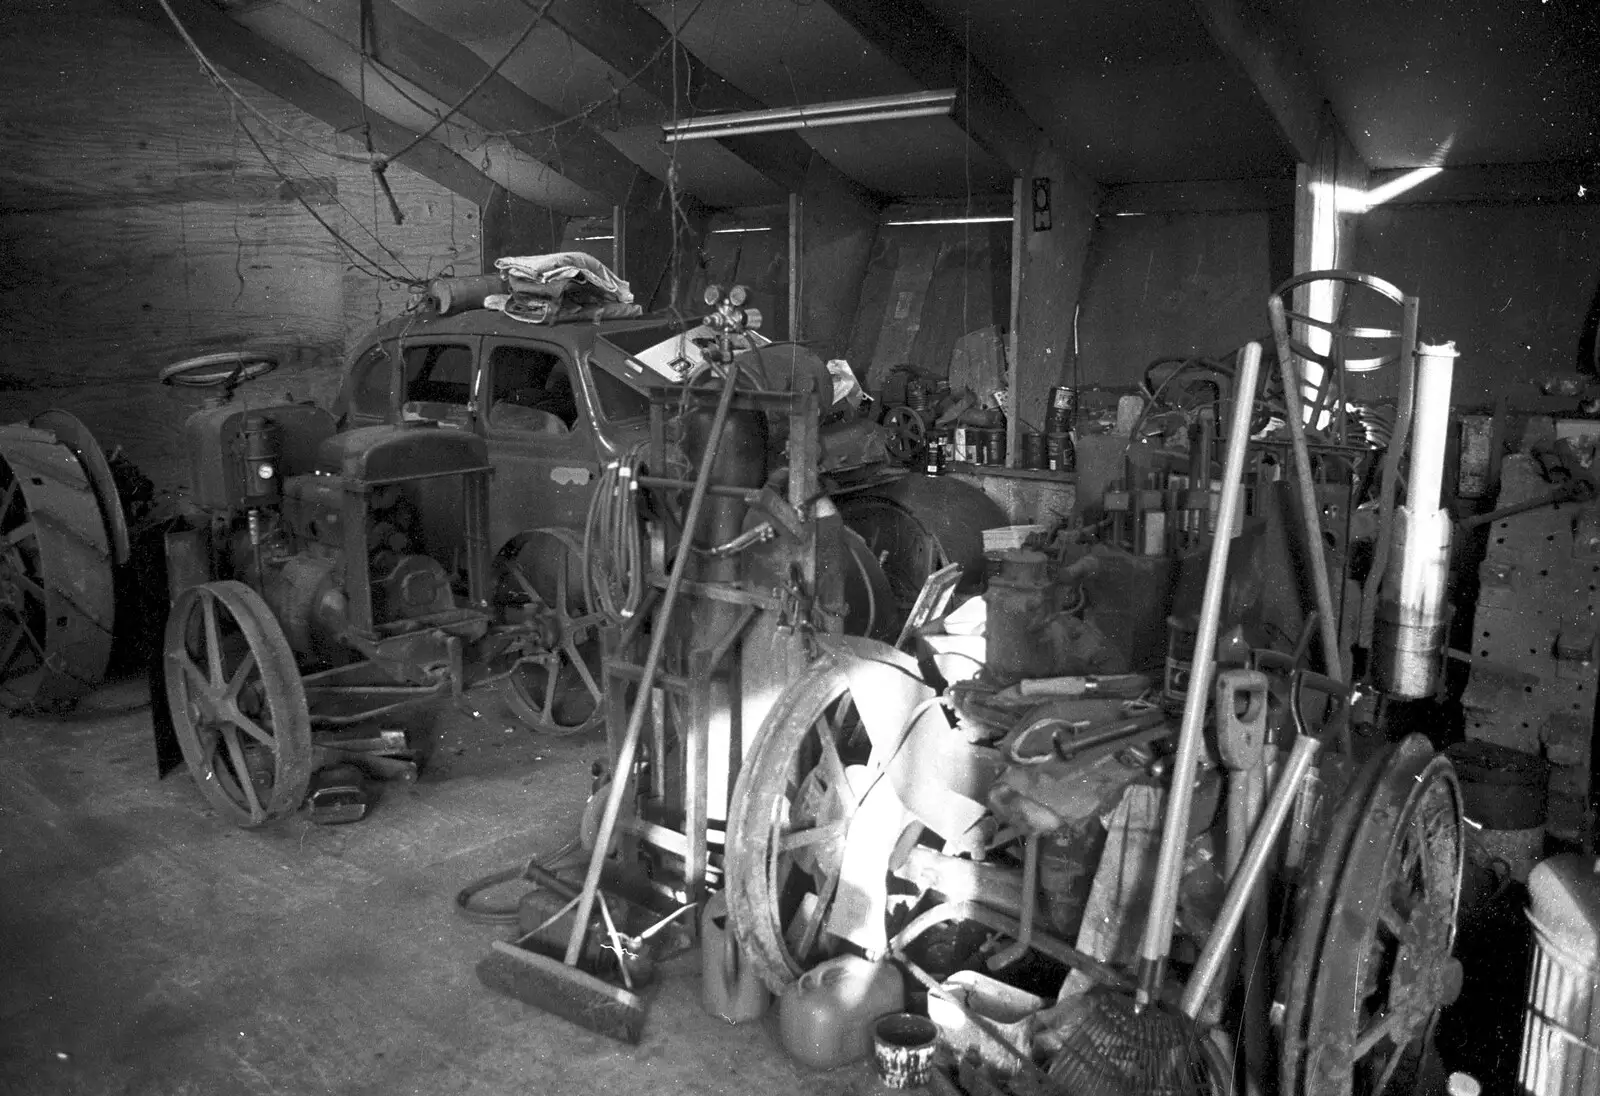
<point>1512,285</point>
<point>139,226</point>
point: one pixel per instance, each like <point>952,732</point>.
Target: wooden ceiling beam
<point>914,38</point>
<point>1276,68</point>
<point>636,44</point>
<point>447,70</point>
<point>275,70</point>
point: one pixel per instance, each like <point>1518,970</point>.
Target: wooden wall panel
<point>927,286</point>
<point>1165,285</point>
<point>139,226</point>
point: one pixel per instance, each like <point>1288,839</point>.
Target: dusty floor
<point>145,947</point>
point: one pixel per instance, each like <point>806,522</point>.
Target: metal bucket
<point>1561,1031</point>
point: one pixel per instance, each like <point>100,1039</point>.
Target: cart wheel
<point>558,690</point>
<point>1369,960</point>
<point>803,778</point>
<point>238,704</point>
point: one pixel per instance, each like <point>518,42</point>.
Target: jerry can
<point>825,1019</point>
<point>728,987</point>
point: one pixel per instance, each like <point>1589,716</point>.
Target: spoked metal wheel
<point>238,704</point>
<point>806,784</point>
<point>1369,963</point>
<point>915,525</point>
<point>906,432</point>
<point>557,690</point>
<point>56,599</point>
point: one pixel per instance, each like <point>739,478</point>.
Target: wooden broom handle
<point>621,775</point>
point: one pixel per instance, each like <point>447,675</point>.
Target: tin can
<point>1061,411</point>
<point>1033,451</point>
<point>995,438</point>
<point>1060,453</point>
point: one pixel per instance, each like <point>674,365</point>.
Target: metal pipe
<point>1262,844</point>
<point>1412,612</point>
<point>1326,620</point>
<point>1157,939</point>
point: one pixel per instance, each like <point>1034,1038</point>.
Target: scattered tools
<point>1113,686</point>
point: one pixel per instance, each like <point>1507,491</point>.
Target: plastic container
<point>728,988</point>
<point>1010,1011</point>
<point>825,1019</point>
<point>1561,1025</point>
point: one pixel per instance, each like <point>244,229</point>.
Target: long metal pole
<point>641,704</point>
<point>1157,940</point>
<point>1262,844</point>
<point>1295,412</point>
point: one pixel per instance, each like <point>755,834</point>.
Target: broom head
<point>1111,1049</point>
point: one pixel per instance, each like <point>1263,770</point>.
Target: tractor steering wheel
<point>226,369</point>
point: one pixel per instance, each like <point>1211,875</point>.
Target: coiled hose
<point>613,549</point>
<point>470,910</point>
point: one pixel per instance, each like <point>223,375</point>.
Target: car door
<point>541,439</point>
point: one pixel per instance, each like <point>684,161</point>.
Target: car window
<point>369,389</point>
<point>439,373</point>
<point>618,399</point>
<point>530,378</point>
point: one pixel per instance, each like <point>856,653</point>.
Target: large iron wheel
<point>801,785</point>
<point>56,600</point>
<point>556,690</point>
<point>1369,962</point>
<point>238,704</point>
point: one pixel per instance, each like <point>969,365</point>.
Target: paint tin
<point>1033,451</point>
<point>995,440</point>
<point>903,1045</point>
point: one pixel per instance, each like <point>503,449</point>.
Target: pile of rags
<point>566,285</point>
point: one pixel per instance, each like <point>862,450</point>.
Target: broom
<point>558,985</point>
<point>1120,1045</point>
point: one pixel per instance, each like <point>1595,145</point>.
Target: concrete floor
<point>146,947</point>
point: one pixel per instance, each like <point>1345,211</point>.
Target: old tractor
<point>434,531</point>
<point>319,576</point>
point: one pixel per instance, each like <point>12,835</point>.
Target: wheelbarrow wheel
<point>238,704</point>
